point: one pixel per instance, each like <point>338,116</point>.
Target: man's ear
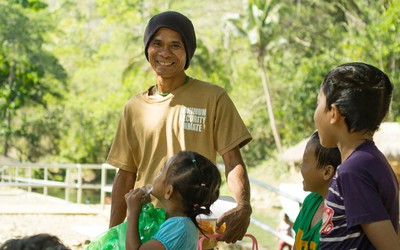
<point>329,172</point>
<point>168,192</point>
<point>335,114</point>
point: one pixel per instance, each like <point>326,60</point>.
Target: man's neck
<point>167,85</point>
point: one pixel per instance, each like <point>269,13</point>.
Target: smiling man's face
<point>166,53</point>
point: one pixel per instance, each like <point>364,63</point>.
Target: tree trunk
<point>8,134</point>
<point>267,96</point>
<point>7,113</point>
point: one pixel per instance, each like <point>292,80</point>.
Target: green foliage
<point>99,45</point>
<point>31,4</point>
<point>29,74</point>
<point>374,37</point>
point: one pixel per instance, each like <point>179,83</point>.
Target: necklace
<point>165,94</point>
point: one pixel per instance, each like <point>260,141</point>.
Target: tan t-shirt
<point>197,116</point>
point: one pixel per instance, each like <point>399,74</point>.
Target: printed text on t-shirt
<point>193,118</point>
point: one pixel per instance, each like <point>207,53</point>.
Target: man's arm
<point>382,234</point>
<point>237,219</point>
<point>123,182</point>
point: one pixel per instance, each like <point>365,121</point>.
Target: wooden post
<point>30,177</point>
<point>79,193</point>
<point>103,185</point>
<point>46,178</point>
<point>67,183</point>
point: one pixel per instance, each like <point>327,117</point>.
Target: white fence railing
<point>20,175</point>
<point>14,174</point>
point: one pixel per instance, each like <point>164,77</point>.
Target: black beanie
<point>177,22</point>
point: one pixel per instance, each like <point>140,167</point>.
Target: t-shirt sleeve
<point>174,234</point>
<point>362,201</point>
<point>120,154</point>
<point>300,217</point>
<point>306,212</point>
<point>230,129</point>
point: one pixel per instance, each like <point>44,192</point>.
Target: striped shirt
<point>363,190</point>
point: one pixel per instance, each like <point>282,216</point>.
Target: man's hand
<point>237,221</point>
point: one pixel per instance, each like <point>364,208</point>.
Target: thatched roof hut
<point>387,139</point>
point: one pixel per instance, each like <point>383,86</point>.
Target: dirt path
<point>75,231</point>
<point>24,214</point>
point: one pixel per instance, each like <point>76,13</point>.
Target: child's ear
<point>168,192</point>
<point>335,114</point>
<point>329,172</point>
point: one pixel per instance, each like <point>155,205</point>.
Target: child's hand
<point>136,198</point>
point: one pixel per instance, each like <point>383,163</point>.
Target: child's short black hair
<point>362,94</point>
<point>35,242</point>
<point>325,156</point>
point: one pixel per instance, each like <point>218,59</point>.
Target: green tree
<point>281,47</point>
<point>30,4</point>
<point>29,74</point>
<point>260,27</point>
<point>312,31</point>
<point>96,47</point>
<point>373,36</point>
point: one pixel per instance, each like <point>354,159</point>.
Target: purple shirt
<point>363,190</point>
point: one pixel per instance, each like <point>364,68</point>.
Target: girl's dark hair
<point>362,94</point>
<point>35,242</point>
<point>325,156</point>
<point>197,180</point>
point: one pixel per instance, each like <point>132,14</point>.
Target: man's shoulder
<point>208,86</point>
<point>139,97</point>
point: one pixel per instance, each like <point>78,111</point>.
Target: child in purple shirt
<point>361,209</point>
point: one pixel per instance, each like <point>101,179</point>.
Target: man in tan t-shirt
<point>179,113</point>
